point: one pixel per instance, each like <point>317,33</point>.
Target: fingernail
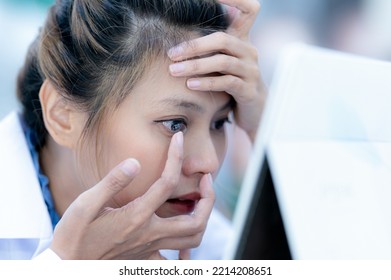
<point>193,84</point>
<point>179,139</point>
<point>130,167</point>
<point>177,68</point>
<point>175,51</point>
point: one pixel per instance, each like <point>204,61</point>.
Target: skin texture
<point>236,61</point>
<point>166,140</point>
<point>142,128</point>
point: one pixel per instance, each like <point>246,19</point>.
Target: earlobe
<point>58,116</point>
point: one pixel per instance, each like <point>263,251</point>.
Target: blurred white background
<point>19,24</point>
<point>356,26</point>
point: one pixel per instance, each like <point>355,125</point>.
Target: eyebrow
<point>189,105</point>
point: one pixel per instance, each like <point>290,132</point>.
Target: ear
<point>63,122</point>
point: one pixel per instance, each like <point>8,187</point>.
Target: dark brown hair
<point>95,51</point>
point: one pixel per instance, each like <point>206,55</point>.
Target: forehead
<point>159,90</point>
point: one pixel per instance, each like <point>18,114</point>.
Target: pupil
<point>176,126</point>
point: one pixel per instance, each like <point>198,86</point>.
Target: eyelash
<point>219,125</point>
<point>168,124</point>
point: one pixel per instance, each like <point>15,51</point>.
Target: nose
<point>202,155</point>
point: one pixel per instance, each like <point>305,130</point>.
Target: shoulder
<point>13,144</point>
<point>19,195</point>
<point>10,122</point>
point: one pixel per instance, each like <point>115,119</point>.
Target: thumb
<point>115,181</point>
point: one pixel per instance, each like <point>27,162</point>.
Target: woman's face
<point>142,127</point>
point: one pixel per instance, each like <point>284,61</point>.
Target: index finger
<point>243,14</point>
<point>162,189</point>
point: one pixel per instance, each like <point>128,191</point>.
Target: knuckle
<point>138,216</point>
<point>253,52</point>
<point>222,38</point>
<point>81,200</point>
<point>144,240</point>
<point>256,6</point>
<point>121,237</point>
<point>133,226</point>
<point>255,72</point>
<point>199,226</point>
<point>227,63</point>
<point>195,241</point>
<point>80,204</point>
<point>247,97</point>
<point>193,46</point>
<point>169,180</point>
<point>198,239</point>
<point>235,83</point>
<point>211,84</point>
<point>82,207</point>
<point>195,65</point>
<point>115,183</point>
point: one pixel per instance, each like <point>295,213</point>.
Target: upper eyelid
<point>225,118</point>
<point>162,122</point>
<point>224,114</point>
<point>172,119</point>
<point>175,120</point>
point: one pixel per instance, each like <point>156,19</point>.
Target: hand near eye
<point>89,230</point>
<point>232,56</point>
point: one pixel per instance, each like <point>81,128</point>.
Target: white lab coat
<point>25,226</point>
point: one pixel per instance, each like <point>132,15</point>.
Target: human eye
<point>219,124</point>
<point>174,126</point>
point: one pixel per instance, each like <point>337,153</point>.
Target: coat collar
<point>23,213</point>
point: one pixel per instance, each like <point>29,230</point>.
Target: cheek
<point>86,164</point>
<point>150,152</point>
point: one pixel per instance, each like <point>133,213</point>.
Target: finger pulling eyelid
<point>174,126</point>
